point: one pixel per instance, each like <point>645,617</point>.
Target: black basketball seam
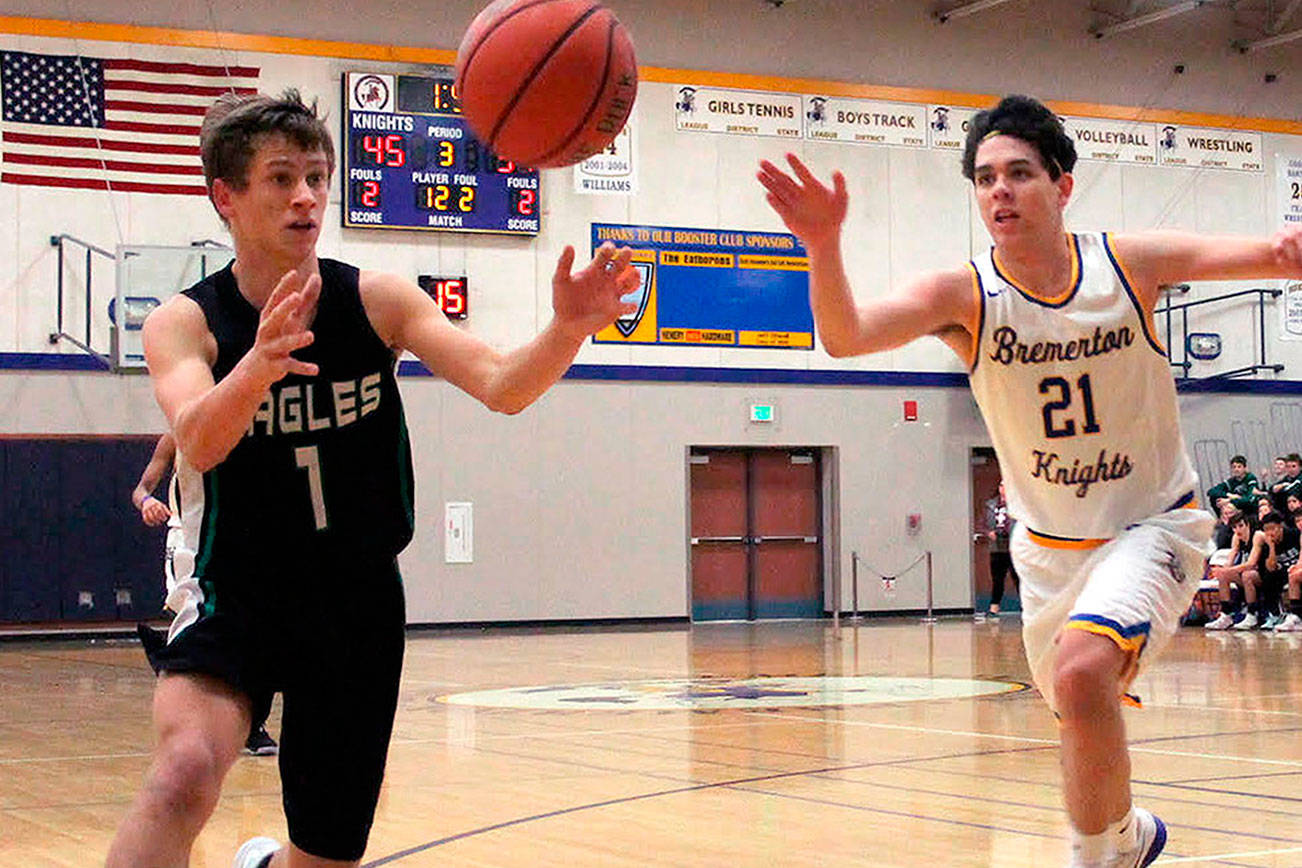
<point>543,61</point>
<point>596,97</point>
<point>465,70</point>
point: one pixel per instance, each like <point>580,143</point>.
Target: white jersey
<point>1080,402</point>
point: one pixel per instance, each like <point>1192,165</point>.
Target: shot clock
<point>452,294</point>
<point>411,162</point>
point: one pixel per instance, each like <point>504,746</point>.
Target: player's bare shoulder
<point>951,294</point>
<point>179,327</point>
<point>954,306</point>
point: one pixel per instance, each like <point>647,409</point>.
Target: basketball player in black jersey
<point>277,377</point>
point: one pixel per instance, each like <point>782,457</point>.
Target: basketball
<point>546,83</point>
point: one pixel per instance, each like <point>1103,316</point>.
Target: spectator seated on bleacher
<point>1227,566</point>
<point>1291,483</point>
<point>1275,550</point>
<point>1237,490</point>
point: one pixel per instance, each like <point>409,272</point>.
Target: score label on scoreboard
<point>410,161</point>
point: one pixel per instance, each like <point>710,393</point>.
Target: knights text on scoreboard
<point>713,287</point>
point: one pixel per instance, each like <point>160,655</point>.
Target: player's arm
<point>1155,259</point>
<point>584,302</point>
<point>151,509</point>
<point>940,303</point>
<point>209,418</point>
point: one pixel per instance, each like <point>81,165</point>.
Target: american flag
<point>108,123</point>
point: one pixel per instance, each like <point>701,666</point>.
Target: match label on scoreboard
<point>713,287</point>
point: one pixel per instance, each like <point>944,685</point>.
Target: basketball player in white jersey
<point>1057,331</point>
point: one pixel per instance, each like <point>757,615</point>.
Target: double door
<point>756,534</point>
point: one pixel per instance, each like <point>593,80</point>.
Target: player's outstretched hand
<point>1288,248</point>
<point>810,209</point>
<point>588,301</point>
<point>282,328</point>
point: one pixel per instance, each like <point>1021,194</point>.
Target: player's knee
<point>1084,683</point>
<point>186,776</point>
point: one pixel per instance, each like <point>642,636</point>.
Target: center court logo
<point>718,694</point>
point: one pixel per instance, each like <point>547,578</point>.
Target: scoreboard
<point>410,161</point>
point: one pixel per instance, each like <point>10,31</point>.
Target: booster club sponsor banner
<point>1113,141</point>
<point>1208,148</point>
<point>865,122</point>
<point>947,125</point>
<point>610,171</point>
<point>739,112</point>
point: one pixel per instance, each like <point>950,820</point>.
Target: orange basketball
<point>546,83</point>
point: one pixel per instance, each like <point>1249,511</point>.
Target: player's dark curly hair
<point>236,125</point>
<point>1029,120</point>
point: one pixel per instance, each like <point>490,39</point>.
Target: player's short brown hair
<point>237,124</point>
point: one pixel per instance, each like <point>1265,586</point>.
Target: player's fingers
<point>628,281</point>
<point>306,369</point>
<point>839,188</point>
<point>622,258</point>
<point>288,284</point>
<point>802,172</point>
<point>627,308</point>
<point>565,263</point>
<point>605,253</point>
<point>780,183</point>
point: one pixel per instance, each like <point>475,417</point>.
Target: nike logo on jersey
<point>1008,349</point>
<point>1049,467</point>
<point>314,405</point>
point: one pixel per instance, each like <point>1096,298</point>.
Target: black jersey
<point>325,467</point>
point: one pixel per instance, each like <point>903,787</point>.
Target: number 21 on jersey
<point>1060,392</point>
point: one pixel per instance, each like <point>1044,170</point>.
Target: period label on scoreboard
<point>713,288</point>
<point>412,162</point>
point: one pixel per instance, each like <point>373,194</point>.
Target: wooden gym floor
<point>725,775</point>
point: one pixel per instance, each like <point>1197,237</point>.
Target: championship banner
<point>860,121</point>
<point>1289,194</point>
<point>612,171</point>
<point>947,126</point>
<point>1113,141</point>
<point>713,287</point>
<point>1209,148</point>
<point>738,112</point>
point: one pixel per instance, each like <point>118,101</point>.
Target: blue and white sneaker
<point>1152,839</point>
<point>257,853</point>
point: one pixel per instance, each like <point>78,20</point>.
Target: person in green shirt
<point>1238,489</point>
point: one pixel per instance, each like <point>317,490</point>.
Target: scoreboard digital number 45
<point>411,162</point>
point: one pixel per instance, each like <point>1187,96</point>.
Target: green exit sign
<point>763,413</point>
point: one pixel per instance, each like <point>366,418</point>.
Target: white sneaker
<point>1247,622</point>
<point>1223,621</point>
<point>1152,838</point>
<point>254,852</point>
<point>1291,624</point>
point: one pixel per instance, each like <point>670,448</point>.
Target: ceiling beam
<point>1269,41</point>
<point>941,16</point>
<point>1148,18</point>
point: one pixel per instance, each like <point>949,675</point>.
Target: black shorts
<point>332,645</point>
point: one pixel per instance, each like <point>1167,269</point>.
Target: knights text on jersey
<point>1079,399</point>
<point>325,464</point>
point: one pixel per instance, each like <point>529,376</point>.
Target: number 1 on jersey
<point>307,458</point>
<point>1068,428</point>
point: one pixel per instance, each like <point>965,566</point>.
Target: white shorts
<point>1133,588</point>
